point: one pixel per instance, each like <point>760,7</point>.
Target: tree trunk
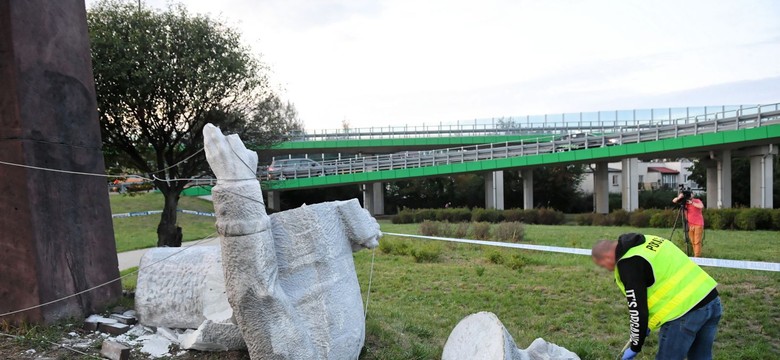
<point>168,232</point>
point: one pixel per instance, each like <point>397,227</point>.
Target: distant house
<point>652,176</point>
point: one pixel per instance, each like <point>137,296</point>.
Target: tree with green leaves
<point>160,77</point>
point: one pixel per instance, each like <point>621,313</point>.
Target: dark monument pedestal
<point>56,234</point>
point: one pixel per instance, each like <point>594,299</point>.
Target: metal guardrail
<point>530,124</point>
<point>767,114</point>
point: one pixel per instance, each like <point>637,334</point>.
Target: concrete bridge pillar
<point>601,188</point>
<point>494,190</point>
<point>762,161</point>
<point>630,185</point>
<point>374,198</point>
<point>719,180</point>
<point>273,201</point>
<point>528,188</point>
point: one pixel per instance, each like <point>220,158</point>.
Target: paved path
<point>132,258</point>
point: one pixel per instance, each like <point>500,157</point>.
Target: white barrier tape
<point>723,263</point>
<point>154,212</point>
<point>193,212</point>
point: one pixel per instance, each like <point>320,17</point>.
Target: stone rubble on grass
<point>482,336</point>
<point>150,342</point>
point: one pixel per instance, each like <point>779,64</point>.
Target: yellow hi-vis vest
<point>679,285</point>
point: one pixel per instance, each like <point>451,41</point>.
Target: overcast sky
<point>397,62</point>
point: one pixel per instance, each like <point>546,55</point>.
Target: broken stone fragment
<point>211,336</point>
<point>113,329</point>
<point>482,336</point>
<point>114,350</point>
<point>128,320</point>
<point>184,290</point>
<point>92,322</point>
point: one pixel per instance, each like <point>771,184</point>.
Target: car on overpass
<point>283,168</point>
<point>584,140</point>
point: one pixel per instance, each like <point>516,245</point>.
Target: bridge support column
<point>374,198</point>
<point>273,201</point>
<point>494,190</point>
<point>719,180</point>
<point>601,188</point>
<point>630,185</point>
<point>528,188</point>
<point>762,161</point>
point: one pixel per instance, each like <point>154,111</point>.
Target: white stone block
<point>482,336</point>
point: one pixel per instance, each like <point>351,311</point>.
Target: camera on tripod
<point>686,192</point>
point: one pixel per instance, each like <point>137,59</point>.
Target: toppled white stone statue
<point>182,289</point>
<point>282,286</point>
<point>482,336</point>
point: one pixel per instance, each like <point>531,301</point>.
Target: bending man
<point>664,290</point>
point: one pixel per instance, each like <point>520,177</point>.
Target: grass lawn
<point>563,298</point>
<point>141,231</point>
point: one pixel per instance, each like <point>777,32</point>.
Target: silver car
<point>294,168</point>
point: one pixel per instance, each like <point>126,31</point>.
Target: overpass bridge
<point>386,139</point>
<point>751,131</point>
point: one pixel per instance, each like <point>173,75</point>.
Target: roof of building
<point>662,170</point>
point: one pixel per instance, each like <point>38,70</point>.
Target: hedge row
<point>506,231</point>
<point>454,215</point>
<point>724,219</point>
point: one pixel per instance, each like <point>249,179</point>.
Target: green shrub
<point>618,217</point>
<point>426,252</point>
<point>720,219</point>
<point>481,230</point>
<point>395,246</point>
<point>753,219</point>
<point>445,229</point>
<point>460,215</point>
<point>443,214</point>
<point>513,215</point>
<point>425,214</point>
<point>495,257</point>
<point>405,216</point>
<point>663,219</point>
<point>530,216</point>
<point>550,217</point>
<point>430,228</point>
<point>488,215</point>
<point>763,218</point>
<point>640,218</point>
<point>480,270</point>
<point>517,262</point>
<point>461,230</point>
<point>584,219</point>
<point>656,199</point>
<point>600,220</point>
<point>776,219</point>
<point>509,231</point>
<point>745,221</point>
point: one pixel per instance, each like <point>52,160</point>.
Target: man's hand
<point>629,354</point>
<point>679,196</point>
